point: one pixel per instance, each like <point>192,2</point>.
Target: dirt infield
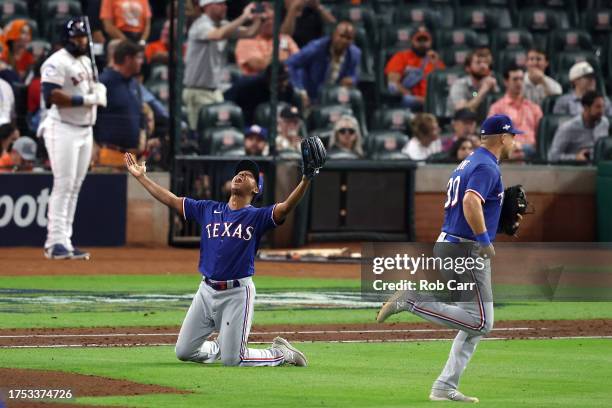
<point>78,384</point>
<point>371,332</point>
<point>151,261</point>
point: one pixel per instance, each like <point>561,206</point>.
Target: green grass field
<point>519,373</point>
<point>555,373</point>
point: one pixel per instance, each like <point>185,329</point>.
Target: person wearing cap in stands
<point>207,53</point>
<point>463,127</point>
<point>407,70</point>
<point>582,77</point>
<point>289,124</point>
<point>256,141</point>
<point>20,156</point>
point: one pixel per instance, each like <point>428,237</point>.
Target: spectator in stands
<point>34,92</point>
<point>20,157</point>
<point>582,77</point>
<point>93,12</point>
<point>470,91</point>
<point>327,61</point>
<point>345,142</point>
<point>126,19</point>
<point>18,34</point>
<point>253,55</point>
<point>309,15</point>
<point>407,70</point>
<point>575,139</point>
<point>426,137</point>
<point>463,127</point>
<point>120,126</point>
<point>461,149</point>
<point>8,134</point>
<point>537,84</point>
<point>157,51</point>
<point>256,141</point>
<point>7,103</point>
<point>525,114</point>
<point>206,56</point>
<point>250,91</point>
<point>288,129</point>
<point>485,52</point>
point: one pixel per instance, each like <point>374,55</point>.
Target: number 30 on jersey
<point>452,191</point>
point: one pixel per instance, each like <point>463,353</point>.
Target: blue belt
<point>222,285</point>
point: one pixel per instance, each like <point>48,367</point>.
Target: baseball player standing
<point>471,216</point>
<point>71,97</point>
<point>230,235</point>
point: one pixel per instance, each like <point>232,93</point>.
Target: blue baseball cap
<point>498,124</point>
<point>256,130</point>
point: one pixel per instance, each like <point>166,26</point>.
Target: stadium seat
<point>11,9</point>
<point>360,15</point>
<point>569,7</point>
<point>392,119</point>
<point>561,62</point>
<point>366,67</point>
<point>438,86</point>
<point>511,38</point>
<point>541,21</point>
<point>546,132</point>
<point>262,113</point>
<point>223,114</point>
<point>548,104</point>
<point>396,36</point>
<point>227,141</point>
<point>324,117</point>
<point>483,19</point>
<point>350,97</point>
<point>569,40</point>
<point>507,57</point>
<point>455,37</point>
<point>230,73</point>
<point>159,72</point>
<point>603,149</point>
<point>455,56</point>
<point>386,145</point>
<point>419,14</point>
<point>599,23</point>
<point>157,24</point>
<point>39,48</point>
<point>61,9</point>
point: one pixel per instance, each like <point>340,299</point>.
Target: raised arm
<point>161,194</point>
<point>281,210</point>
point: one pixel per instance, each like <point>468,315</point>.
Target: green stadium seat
<point>455,56</point>
<point>160,89</point>
<point>561,62</point>
<point>386,145</point>
<point>350,97</point>
<point>569,7</point>
<point>511,38</point>
<point>548,104</point>
<point>599,23</point>
<point>541,21</point>
<point>510,56</point>
<point>483,19</point>
<point>11,9</point>
<point>569,40</point>
<point>360,15</point>
<point>39,48</point>
<point>546,132</point>
<point>61,9</point>
<point>396,36</point>
<point>456,37</point>
<point>324,117</point>
<point>159,72</point>
<point>438,87</point>
<point>419,14</point>
<point>223,114</point>
<point>227,141</point>
<point>262,113</point>
<point>602,149</point>
<point>392,119</point>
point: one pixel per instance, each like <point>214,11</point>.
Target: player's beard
<point>75,49</point>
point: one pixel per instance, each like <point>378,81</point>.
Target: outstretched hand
<point>137,170</point>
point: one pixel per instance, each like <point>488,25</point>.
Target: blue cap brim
<point>516,132</point>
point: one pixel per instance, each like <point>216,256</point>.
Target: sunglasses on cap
<point>346,130</point>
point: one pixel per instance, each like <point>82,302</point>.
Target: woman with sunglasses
<point>345,142</point>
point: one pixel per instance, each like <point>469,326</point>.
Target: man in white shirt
<point>7,102</point>
<point>537,85</point>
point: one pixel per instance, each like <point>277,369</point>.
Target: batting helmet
<point>75,27</point>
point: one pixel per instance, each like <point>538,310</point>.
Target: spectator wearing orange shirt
<point>525,114</point>
<point>407,70</point>
<point>126,19</point>
<point>253,55</point>
<point>18,34</point>
<point>157,51</point>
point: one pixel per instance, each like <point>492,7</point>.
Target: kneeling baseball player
<point>230,238</point>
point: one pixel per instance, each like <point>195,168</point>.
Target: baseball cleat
<point>290,353</point>
<point>78,254</point>
<point>396,303</point>
<point>451,395</point>
<point>57,251</point>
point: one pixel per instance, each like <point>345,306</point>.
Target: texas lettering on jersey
<point>229,230</point>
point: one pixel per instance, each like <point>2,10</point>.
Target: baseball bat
<point>92,57</point>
